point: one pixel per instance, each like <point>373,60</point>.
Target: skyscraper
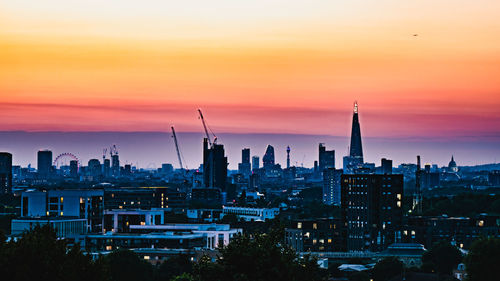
<point>356,146</point>
<point>214,166</point>
<point>115,165</point>
<point>268,159</point>
<point>331,186</point>
<point>355,159</point>
<point>326,158</point>
<point>73,168</point>
<point>94,168</point>
<point>244,167</point>
<point>44,161</point>
<point>255,163</point>
<point>5,172</point>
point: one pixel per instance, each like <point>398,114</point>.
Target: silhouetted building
<point>167,168</point>
<point>245,167</point>
<point>106,168</point>
<point>331,186</point>
<point>94,168</point>
<point>115,165</point>
<point>430,179</point>
<point>214,166</point>
<point>386,166</point>
<point>356,149</point>
<point>255,162</point>
<point>44,161</point>
<point>5,172</point>
<point>452,166</point>
<point>326,158</point>
<point>268,159</point>
<point>73,169</point>
<point>288,157</point>
<point>372,210</point>
<point>127,170</point>
<point>143,198</point>
<point>417,196</point>
<point>494,177</point>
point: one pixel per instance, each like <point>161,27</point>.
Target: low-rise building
<point>251,214</point>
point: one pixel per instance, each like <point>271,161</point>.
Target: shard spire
<point>356,149</point>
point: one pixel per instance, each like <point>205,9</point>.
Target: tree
<point>40,255</point>
<point>441,258</point>
<point>387,268</point>
<point>483,260</point>
<point>174,266</point>
<point>258,258</point>
<point>125,265</point>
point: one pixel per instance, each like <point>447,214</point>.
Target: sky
<point>425,70</point>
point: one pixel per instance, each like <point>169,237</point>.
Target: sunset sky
<point>260,66</point>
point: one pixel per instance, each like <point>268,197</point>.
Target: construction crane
<point>206,129</point>
<point>177,147</point>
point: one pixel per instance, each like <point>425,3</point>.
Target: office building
<point>120,220</point>
<point>331,186</point>
<point>65,227</point>
<point>214,166</point>
<point>255,163</point>
<point>144,198</point>
<point>494,178</point>
<point>94,168</point>
<point>84,204</point>
<point>386,166</point>
<point>326,158</point>
<point>251,214</point>
<point>106,168</point>
<point>268,159</point>
<point>245,167</point>
<point>167,168</point>
<point>115,165</point>
<point>372,210</point>
<point>73,169</point>
<point>5,172</point>
<point>44,161</point>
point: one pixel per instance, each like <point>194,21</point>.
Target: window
<point>315,226</point>
<point>299,225</point>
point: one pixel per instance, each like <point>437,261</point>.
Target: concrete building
<point>84,204</point>
<point>120,220</point>
<point>331,186</point>
<point>372,210</point>
<point>251,214</point>
<point>65,227</point>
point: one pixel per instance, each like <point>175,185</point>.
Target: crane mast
<point>206,129</point>
<point>177,147</point>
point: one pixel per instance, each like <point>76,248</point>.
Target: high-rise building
<point>214,166</point>
<point>245,167</point>
<point>94,168</point>
<point>356,146</point>
<point>44,159</point>
<point>73,168</point>
<point>417,196</point>
<point>331,186</point>
<point>5,172</point>
<point>326,158</point>
<point>106,168</point>
<point>268,159</point>
<point>115,165</point>
<point>255,163</point>
<point>386,166</point>
<point>372,210</point>
<point>167,168</point>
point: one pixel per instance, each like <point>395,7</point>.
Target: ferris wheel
<point>64,159</point>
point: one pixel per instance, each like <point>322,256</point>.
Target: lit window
<point>399,196</point>
<point>62,198</point>
<point>142,223</point>
<point>315,226</point>
<point>146,257</point>
<point>481,223</point>
<point>109,248</point>
<point>399,203</point>
<point>299,225</point>
<point>329,240</point>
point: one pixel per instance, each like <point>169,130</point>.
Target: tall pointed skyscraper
<point>356,146</point>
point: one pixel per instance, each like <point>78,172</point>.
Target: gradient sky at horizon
<point>262,66</point>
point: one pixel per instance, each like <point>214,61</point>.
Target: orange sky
<point>261,66</point>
